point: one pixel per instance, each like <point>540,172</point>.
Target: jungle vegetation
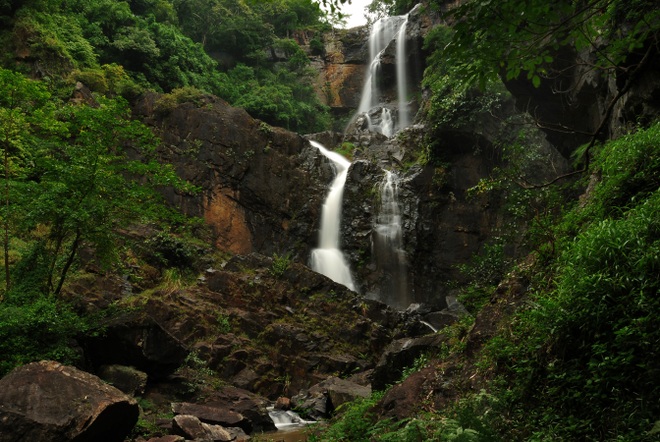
<point>578,362</point>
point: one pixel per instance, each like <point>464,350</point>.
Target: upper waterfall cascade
<point>383,32</point>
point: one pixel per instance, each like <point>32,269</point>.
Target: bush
<point>589,342</point>
<point>42,329</point>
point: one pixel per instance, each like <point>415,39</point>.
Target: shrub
<point>41,329</point>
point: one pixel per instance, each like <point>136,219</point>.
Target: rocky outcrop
<point>250,174</point>
<point>192,428</point>
<point>321,400</point>
<point>443,224</point>
<point>244,403</point>
<point>47,401</point>
<point>127,379</point>
<point>268,332</point>
<point>401,354</point>
<point>342,68</point>
<point>576,102</point>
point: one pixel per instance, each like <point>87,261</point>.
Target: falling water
<point>388,246</point>
<point>401,76</point>
<point>386,122</point>
<point>383,32</point>
<point>328,259</point>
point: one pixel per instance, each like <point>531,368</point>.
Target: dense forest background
<point>241,51</point>
<point>578,360</point>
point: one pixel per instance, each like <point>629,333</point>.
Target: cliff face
<point>262,187</point>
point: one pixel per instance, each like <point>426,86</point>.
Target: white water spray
<point>386,122</point>
<point>328,259</point>
<point>401,76</point>
<point>388,246</point>
<point>383,32</point>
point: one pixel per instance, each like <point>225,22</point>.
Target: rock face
<point>342,68</point>
<point>400,355</point>
<point>272,334</point>
<point>47,401</point>
<point>345,63</point>
<point>250,175</point>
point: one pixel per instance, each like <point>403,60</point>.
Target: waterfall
<point>286,418</point>
<point>386,122</point>
<point>388,246</point>
<point>328,259</point>
<point>401,76</point>
<point>383,32</point>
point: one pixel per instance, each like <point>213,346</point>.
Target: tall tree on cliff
<point>70,180</point>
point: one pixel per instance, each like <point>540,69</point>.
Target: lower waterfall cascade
<point>387,246</point>
<point>328,259</point>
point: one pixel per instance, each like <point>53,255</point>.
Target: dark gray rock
<point>128,379</point>
<point>322,399</point>
<point>192,428</point>
<point>213,415</point>
<point>401,354</point>
<point>47,401</point>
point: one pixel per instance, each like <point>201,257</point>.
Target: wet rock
<point>401,354</point>
<point>192,428</point>
<point>313,406</point>
<point>47,401</point>
<point>249,173</point>
<point>128,379</point>
<point>168,438</point>
<point>138,341</point>
<point>213,415</point>
<point>283,403</point>
<point>323,398</point>
<point>245,403</point>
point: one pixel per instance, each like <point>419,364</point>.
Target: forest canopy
<point>124,47</point>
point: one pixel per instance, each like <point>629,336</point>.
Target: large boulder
<point>192,428</point>
<point>213,415</point>
<point>400,355</point>
<point>48,401</point>
<point>248,405</point>
<point>323,398</point>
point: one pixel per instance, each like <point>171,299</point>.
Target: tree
<point>22,108</point>
<point>74,175</point>
<point>542,44</point>
<point>514,37</point>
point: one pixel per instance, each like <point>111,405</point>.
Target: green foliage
<point>628,171</point>
<point>36,329</point>
<point>420,362</point>
<point>347,149</point>
<point>69,182</point>
<point>587,343</point>
<point>355,423</point>
<point>223,323</point>
<point>163,46</point>
<point>484,271</point>
<point>280,264</point>
<point>453,104</point>
<point>516,38</point>
<point>55,40</point>
<point>464,423</point>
